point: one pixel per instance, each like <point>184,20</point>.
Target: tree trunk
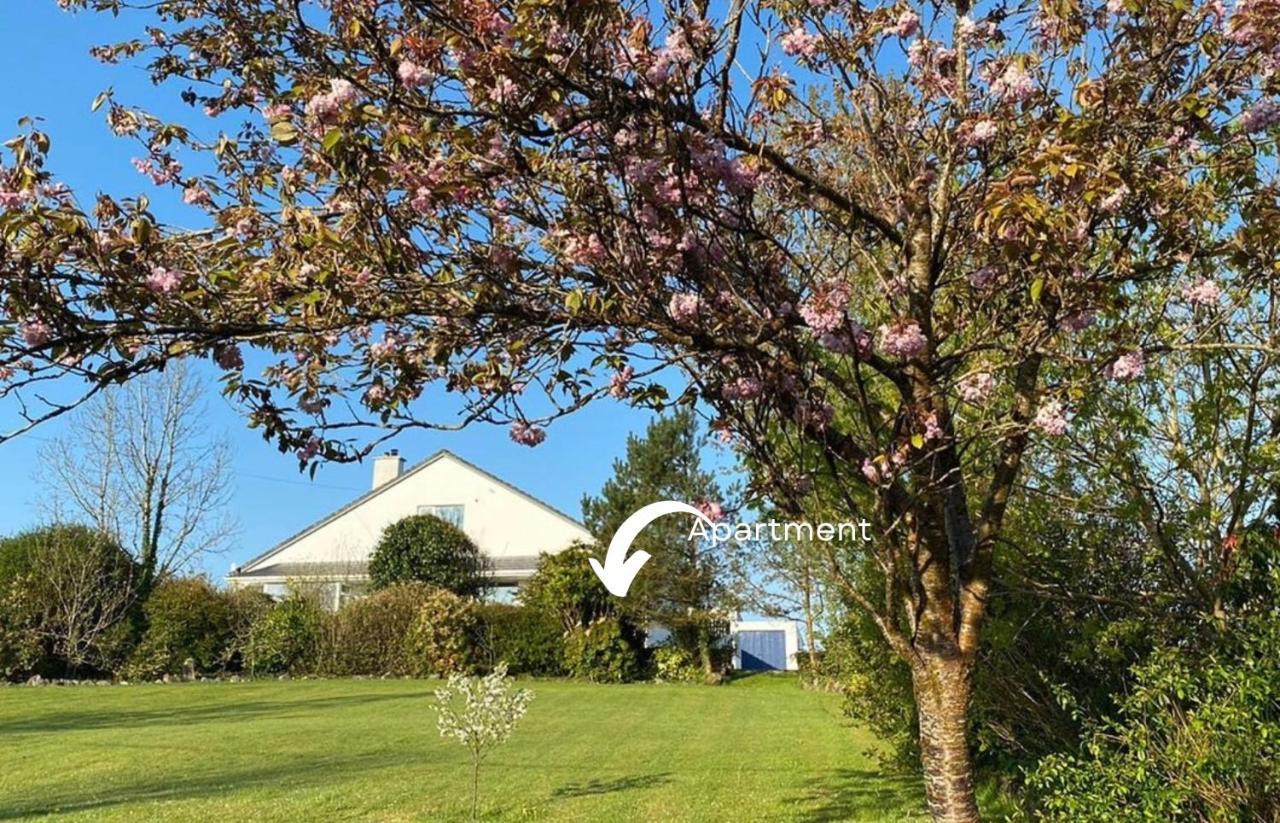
<point>808,621</point>
<point>942,687</point>
<point>704,650</point>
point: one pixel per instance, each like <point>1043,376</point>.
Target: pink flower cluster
<point>902,339</point>
<point>1014,85</point>
<point>976,388</point>
<point>15,199</point>
<point>984,278</point>
<point>526,434</point>
<point>742,388</point>
<point>164,281</point>
<point>799,43</point>
<point>711,510</point>
<point>35,333</point>
<point>1051,419</point>
<point>195,195</point>
<point>165,171</point>
<point>824,312</point>
<point>582,251</point>
<point>980,133</point>
<point>684,308</point>
<point>1128,366</point>
<point>1113,201</point>
<point>310,449</point>
<point>411,74</point>
<point>907,24</point>
<point>1204,293</point>
<point>620,383</point>
<point>1261,116</point>
<point>328,106</point>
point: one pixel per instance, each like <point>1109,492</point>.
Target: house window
<point>276,591</point>
<point>449,514</point>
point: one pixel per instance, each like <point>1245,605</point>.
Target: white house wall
<point>501,522</point>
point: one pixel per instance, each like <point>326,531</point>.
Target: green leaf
<point>284,132</point>
<point>1037,286</point>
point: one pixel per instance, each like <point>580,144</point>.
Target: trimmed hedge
<point>529,641</point>
<point>445,634</point>
<point>286,638</point>
<point>370,636</point>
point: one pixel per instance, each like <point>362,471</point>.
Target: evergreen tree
<point>682,587</point>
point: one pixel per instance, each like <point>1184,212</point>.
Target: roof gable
<point>373,494</point>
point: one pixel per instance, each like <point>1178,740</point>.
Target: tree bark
<point>943,686</point>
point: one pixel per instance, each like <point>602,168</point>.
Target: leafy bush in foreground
<point>602,653</point>
<point>444,636</point>
<point>286,638</point>
<point>528,641</point>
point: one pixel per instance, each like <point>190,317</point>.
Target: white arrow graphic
<point>619,570</point>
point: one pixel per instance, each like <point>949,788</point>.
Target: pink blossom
<point>526,434</point>
<point>907,24</point>
<point>411,74</point>
<point>196,196</point>
<point>279,111</point>
<point>1204,293</point>
<point>902,339</point>
<point>310,449</point>
<point>375,395</point>
<point>976,388</point>
<point>620,383</point>
<point>710,510</point>
<point>871,471</point>
<point>799,43</point>
<point>1261,116</point>
<point>5,373</point>
<point>1128,366</point>
<point>981,133</point>
<point>932,430</point>
<point>15,199</point>
<point>1015,85</point>
<point>163,281</point>
<point>327,106</point>
<point>1051,419</point>
<point>742,388</point>
<point>684,308</point>
<point>584,251</point>
<point>824,312</point>
<point>35,333</point>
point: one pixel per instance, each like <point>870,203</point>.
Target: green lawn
<point>757,749</point>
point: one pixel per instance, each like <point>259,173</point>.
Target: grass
<point>759,748</point>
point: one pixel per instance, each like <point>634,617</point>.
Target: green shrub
<point>565,586</point>
<point>674,664</point>
<point>187,619</point>
<point>529,641</point>
<point>1197,738</point>
<point>73,587</point>
<point>286,638</point>
<point>444,638</point>
<point>370,636</point>
<point>426,549</point>
<point>245,608</point>
<point>602,653</point>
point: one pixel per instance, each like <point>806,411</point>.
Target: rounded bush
<point>529,641</point>
<point>444,637</point>
<point>565,586</point>
<point>423,548</point>
<point>601,653</point>
<point>187,619</point>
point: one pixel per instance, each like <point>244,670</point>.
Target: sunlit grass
<point>757,749</point>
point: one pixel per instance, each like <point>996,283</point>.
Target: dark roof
<point>236,572</point>
<point>359,568</point>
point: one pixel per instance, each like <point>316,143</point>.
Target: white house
<point>510,527</point>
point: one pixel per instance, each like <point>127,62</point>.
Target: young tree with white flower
<point>480,713</point>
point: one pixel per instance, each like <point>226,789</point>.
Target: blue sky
<point>50,75</point>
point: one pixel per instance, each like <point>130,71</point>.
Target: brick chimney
<point>387,468</point>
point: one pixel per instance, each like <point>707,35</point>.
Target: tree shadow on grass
<point>621,784</point>
<point>296,775</point>
<point>852,794</point>
<point>230,711</point>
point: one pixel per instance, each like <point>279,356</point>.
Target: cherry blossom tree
<point>890,248</point>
